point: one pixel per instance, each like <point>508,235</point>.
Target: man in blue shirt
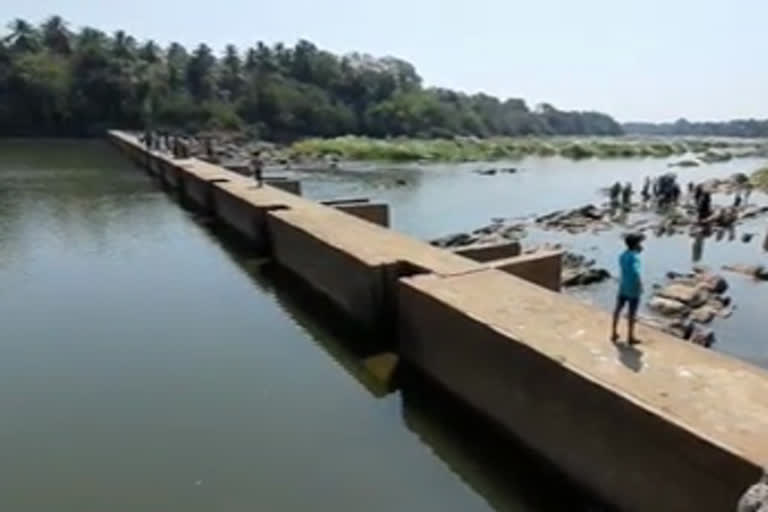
<point>630,286</point>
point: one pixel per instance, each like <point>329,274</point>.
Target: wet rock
<point>702,336</point>
<point>739,178</point>
<point>668,307</point>
<point>691,296</point>
<point>454,240</point>
<point>703,315</point>
<point>755,499</point>
<point>685,163</point>
<point>711,157</point>
<point>401,183</point>
<point>757,271</point>
<point>747,237</point>
<point>584,276</point>
<point>486,172</point>
<point>508,170</point>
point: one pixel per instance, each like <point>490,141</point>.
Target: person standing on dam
<point>257,168</point>
<point>630,286</point>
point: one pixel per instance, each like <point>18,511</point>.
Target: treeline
<point>54,81</point>
<point>735,128</point>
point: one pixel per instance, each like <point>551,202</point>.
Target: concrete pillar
<point>488,252</point>
<point>542,268</point>
<point>378,213</point>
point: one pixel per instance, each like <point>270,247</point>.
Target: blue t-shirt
<point>630,287</point>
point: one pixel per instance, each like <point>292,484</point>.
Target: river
<point>440,199</point>
<point>148,365</point>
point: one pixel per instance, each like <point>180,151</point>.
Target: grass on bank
<point>473,149</point>
<point>759,178</point>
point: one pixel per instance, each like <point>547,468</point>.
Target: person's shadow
<point>630,356</point>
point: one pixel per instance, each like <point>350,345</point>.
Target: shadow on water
<point>506,474</point>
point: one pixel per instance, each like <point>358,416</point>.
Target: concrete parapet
<point>341,202</point>
<point>542,268</point>
<point>490,252</point>
<point>666,426</point>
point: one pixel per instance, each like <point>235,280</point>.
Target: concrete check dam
<point>665,426</point>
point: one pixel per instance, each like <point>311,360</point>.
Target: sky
<point>650,60</point>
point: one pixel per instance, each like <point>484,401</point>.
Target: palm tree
<point>56,35</point>
<point>150,52</point>
<point>90,37</point>
<point>23,38</point>
<point>124,45</point>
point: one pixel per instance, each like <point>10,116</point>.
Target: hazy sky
<point>637,60</point>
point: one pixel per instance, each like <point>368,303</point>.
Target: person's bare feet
<point>633,341</point>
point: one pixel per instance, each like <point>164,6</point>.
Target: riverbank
<point>236,148</point>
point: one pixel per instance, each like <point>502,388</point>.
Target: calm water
<point>442,199</point>
<point>145,366</point>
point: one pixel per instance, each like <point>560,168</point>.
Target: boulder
<point>668,307</point>
<point>713,283</point>
<point>703,336</point>
<point>756,271</point>
<point>703,315</point>
<point>455,240</point>
<point>755,499</point>
<point>584,276</point>
<point>692,296</point>
<point>486,172</point>
<point>747,237</point>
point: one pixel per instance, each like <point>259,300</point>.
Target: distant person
<point>626,195</point>
<point>257,168</point>
<point>209,148</point>
<point>737,200</point>
<point>630,286</point>
<point>704,205</point>
<point>646,192</point>
<point>676,193</point>
<point>747,192</point>
<point>614,193</point>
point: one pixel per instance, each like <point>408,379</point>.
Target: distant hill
<point>734,128</point>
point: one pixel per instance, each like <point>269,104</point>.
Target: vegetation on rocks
<point>760,178</point>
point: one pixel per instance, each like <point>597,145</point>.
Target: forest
<point>57,81</point>
<point>735,128</point>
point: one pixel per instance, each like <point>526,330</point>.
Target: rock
<point>755,499</point>
<point>757,271</point>
<point>747,237</point>
<point>455,240</point>
<point>685,163</point>
<point>691,296</point>
<point>713,283</point>
<point>508,170</point>
<point>583,277</point>
<point>668,307</point>
<point>486,172</point>
<point>703,315</point>
<point>739,178</point>
<point>401,182</point>
<point>702,336</point>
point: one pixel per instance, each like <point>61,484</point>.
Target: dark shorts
<point>634,303</point>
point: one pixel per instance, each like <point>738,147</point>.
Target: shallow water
<point>439,199</point>
<point>147,366</point>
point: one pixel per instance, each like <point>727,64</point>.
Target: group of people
<point>180,148</point>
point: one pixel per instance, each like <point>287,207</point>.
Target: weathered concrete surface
<point>668,426</point>
<point>378,213</point>
<point>544,268</point>
<point>490,252</point>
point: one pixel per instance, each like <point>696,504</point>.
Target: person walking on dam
<point>630,286</point>
<point>257,168</point>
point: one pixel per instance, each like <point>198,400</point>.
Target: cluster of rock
<point>497,232</point>
<point>758,272</point>
<point>688,302</point>
<point>578,220</point>
<point>755,499</point>
<point>578,270</point>
<point>494,171</point>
